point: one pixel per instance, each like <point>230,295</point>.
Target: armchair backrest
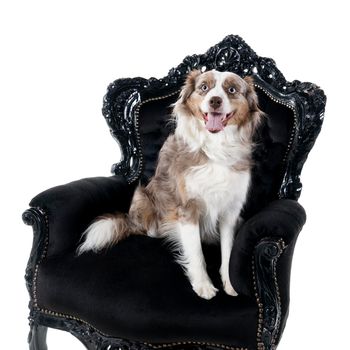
<point>137,112</point>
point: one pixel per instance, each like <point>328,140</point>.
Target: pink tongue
<point>214,122</point>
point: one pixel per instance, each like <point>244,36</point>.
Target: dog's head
<point>219,99</point>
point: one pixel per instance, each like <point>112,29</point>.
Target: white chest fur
<point>217,184</point>
<point>220,188</point>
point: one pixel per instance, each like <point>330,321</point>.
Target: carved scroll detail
<point>265,259</point>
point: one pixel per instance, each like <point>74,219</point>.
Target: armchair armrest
<point>281,219</point>
<point>68,209</point>
<point>261,261</point>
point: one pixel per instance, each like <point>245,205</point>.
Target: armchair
<point>134,296</point>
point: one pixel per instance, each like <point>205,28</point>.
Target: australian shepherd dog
<point>201,181</point>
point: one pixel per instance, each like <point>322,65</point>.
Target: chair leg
<point>37,337</point>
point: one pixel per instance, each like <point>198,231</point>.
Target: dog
<point>201,180</point>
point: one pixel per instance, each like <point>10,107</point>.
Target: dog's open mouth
<point>215,122</point>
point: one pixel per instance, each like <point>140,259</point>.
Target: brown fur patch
<point>207,79</point>
<point>191,211</point>
<point>142,212</point>
<point>235,82</point>
<point>192,105</point>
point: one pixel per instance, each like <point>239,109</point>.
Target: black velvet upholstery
<point>73,206</point>
<point>137,291</point>
<point>155,125</point>
<point>271,142</point>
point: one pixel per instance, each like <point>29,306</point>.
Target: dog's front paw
<point>228,288</point>
<point>226,283</point>
<point>205,289</point>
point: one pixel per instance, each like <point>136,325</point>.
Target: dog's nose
<point>215,102</point>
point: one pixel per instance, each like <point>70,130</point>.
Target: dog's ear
<point>256,113</point>
<point>180,107</point>
<point>189,86</point>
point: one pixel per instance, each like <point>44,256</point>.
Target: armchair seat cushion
<point>137,291</point>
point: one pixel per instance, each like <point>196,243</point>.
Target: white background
<point>57,58</point>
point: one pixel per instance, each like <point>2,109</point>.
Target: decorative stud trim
<point>162,346</point>
<point>151,345</point>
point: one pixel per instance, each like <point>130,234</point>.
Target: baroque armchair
<point>134,296</point>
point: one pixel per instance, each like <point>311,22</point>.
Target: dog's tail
<point>107,230</point>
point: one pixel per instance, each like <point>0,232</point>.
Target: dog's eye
<point>204,87</point>
<point>231,90</point>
